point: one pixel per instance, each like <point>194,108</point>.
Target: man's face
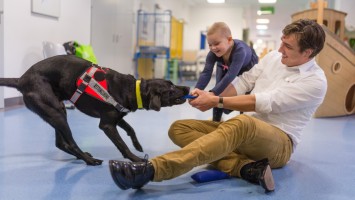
<point>291,55</point>
<point>218,43</point>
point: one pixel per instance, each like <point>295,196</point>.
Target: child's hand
<point>192,95</point>
<point>194,92</point>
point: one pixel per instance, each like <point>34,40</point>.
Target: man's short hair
<point>309,33</point>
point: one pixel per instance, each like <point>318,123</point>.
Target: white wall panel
<point>24,32</point>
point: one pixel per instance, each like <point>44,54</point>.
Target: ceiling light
<point>262,21</point>
<point>267,1</point>
<point>215,1</point>
<point>261,27</point>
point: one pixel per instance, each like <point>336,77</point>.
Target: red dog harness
<point>97,89</point>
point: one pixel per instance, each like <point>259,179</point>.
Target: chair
<point>51,49</point>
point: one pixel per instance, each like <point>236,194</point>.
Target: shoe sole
<point>267,180</point>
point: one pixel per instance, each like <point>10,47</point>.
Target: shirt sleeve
<point>206,74</point>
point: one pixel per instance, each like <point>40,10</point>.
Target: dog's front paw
<point>94,162</point>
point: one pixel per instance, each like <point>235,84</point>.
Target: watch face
<point>220,105</point>
<point>220,102</point>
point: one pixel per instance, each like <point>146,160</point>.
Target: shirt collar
<point>305,66</point>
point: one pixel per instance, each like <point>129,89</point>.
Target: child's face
<point>219,43</point>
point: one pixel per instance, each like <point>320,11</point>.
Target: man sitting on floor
<point>286,88</point>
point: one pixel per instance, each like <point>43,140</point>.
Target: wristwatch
<point>220,102</point>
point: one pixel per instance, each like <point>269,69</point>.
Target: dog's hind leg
<point>131,133</point>
<point>44,102</point>
<point>108,125</point>
<point>60,142</point>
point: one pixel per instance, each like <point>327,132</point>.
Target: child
<point>233,57</point>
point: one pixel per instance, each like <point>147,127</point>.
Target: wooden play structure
<point>336,59</point>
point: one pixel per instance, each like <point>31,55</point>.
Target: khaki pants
<point>226,145</point>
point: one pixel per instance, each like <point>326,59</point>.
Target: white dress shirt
<point>286,97</point>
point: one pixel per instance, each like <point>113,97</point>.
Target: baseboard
<point>13,102</point>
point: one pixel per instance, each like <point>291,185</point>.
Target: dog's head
<point>163,93</point>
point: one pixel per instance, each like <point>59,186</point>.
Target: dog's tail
<point>9,82</point>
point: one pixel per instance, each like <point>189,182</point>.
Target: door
<point>112,34</point>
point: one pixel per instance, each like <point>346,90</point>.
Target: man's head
<point>219,38</point>
<point>301,41</point>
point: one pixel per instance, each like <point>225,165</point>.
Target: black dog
<point>47,83</point>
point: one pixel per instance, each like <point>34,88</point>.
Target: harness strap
<point>87,80</point>
<point>86,77</point>
<point>102,92</point>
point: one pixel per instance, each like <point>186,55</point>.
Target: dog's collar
<point>138,94</point>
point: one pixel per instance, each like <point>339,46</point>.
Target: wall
<point>348,7</point>
<point>1,52</point>
<point>25,31</point>
<point>202,17</point>
<point>196,19</point>
<point>180,9</point>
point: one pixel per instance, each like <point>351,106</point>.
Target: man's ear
<point>308,52</point>
<point>155,103</point>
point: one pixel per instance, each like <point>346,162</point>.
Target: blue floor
<point>31,167</point>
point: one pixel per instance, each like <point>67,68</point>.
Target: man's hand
<point>204,101</point>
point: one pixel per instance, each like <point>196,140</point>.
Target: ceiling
<point>281,17</point>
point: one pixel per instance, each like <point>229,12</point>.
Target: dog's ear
<point>154,103</point>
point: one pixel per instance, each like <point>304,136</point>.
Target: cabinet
<point>112,34</point>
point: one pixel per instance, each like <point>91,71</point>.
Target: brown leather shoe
<point>131,174</point>
<point>259,172</point>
